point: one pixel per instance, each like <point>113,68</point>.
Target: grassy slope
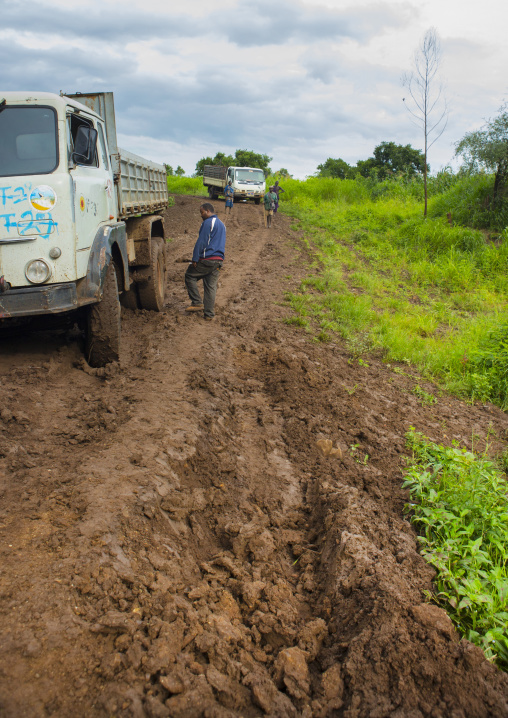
<point>425,292</point>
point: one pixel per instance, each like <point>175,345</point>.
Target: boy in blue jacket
<point>206,262</point>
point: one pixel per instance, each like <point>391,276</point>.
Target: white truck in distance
<point>248,182</point>
<point>79,222</point>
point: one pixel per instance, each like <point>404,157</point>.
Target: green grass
<point>424,291</point>
<point>187,185</point>
<point>459,505</point>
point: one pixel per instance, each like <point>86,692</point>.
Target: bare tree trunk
<point>425,102</point>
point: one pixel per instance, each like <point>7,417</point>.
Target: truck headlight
<point>37,271</point>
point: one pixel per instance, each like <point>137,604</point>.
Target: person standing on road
<point>206,262</point>
<point>277,190</point>
<point>269,203</point>
<point>229,193</point>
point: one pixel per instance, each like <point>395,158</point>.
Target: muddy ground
<point>174,539</point>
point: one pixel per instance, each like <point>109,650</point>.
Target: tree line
<point>389,160</point>
<point>179,172</point>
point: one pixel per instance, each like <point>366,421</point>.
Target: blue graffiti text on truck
<point>18,194</point>
<point>29,223</point>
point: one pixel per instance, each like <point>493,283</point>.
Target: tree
<point>169,169</point>
<point>487,148</point>
<point>179,172</point>
<point>248,158</point>
<point>393,159</point>
<point>426,104</point>
<point>367,168</point>
<point>283,173</point>
<point>334,168</point>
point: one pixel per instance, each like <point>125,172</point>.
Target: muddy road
<point>176,538</point>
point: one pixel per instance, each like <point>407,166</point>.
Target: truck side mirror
<point>85,144</point>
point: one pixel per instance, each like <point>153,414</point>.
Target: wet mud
<point>214,525</point>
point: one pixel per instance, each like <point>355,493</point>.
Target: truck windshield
<point>28,141</point>
<point>246,175</point>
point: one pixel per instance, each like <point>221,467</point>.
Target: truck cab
<point>56,191</point>
<point>248,182</point>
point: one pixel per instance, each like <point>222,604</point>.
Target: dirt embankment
<point>176,540</point>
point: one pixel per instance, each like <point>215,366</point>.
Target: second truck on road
<point>247,182</point>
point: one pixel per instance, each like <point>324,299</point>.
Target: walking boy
<point>269,203</point>
<point>277,190</point>
<point>229,195</point>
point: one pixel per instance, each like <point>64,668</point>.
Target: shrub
<point>460,507</point>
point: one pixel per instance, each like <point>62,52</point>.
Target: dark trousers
<point>208,271</point>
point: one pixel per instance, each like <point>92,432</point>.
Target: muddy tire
<point>103,324</point>
<point>151,293</point>
<point>257,200</point>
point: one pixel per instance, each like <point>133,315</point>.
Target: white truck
<point>247,182</point>
<point>80,227</point>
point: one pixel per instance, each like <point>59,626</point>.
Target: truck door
<point>91,184</point>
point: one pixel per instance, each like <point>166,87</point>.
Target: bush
<point>460,507</point>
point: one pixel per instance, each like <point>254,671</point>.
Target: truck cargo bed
<point>142,185</point>
<point>216,172</point>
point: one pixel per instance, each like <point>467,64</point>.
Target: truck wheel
<point>211,193</point>
<point>151,293</point>
<point>103,324</point>
<point>257,200</point>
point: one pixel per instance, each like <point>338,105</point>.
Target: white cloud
<point>297,80</point>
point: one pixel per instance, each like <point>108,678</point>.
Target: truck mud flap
<point>140,232</point>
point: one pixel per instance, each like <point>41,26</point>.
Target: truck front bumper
<point>45,299</point>
<point>69,296</point>
<point>247,195</point>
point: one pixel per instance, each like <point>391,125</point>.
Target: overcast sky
<point>299,80</point>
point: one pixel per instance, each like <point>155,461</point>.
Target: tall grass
<point>470,202</point>
<point>187,185</point>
